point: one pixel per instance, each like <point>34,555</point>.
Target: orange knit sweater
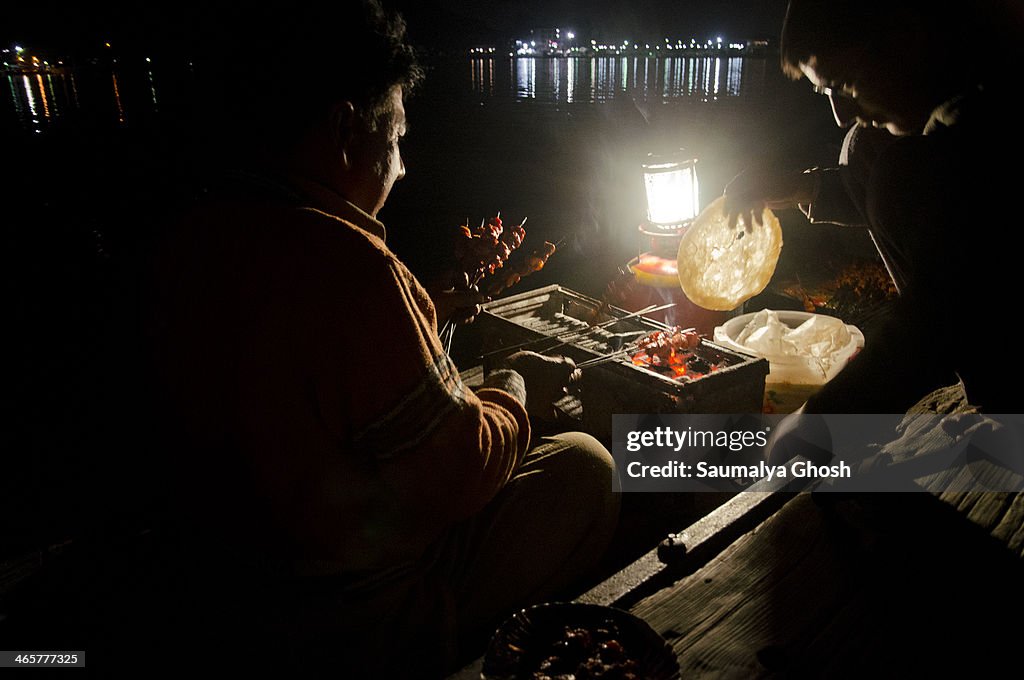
<point>316,413</point>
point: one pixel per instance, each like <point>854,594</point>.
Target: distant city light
<point>560,42</point>
<point>106,44</point>
<point>148,60</point>
<point>19,48</point>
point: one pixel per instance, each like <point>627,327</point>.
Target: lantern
<point>673,203</point>
<point>673,199</point>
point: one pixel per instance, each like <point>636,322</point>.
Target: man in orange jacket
<point>388,506</point>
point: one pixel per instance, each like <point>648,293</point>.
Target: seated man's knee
<point>589,470</point>
<point>587,454</point>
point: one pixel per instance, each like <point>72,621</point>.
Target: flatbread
<point>721,267</point>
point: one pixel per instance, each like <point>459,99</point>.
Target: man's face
<point>870,93</point>
<point>375,161</point>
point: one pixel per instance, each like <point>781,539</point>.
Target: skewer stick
<point>569,333</point>
<point>445,335</point>
<point>597,361</point>
<point>617,354</point>
<point>450,326</point>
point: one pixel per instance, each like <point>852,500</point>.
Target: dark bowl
<point>525,640</point>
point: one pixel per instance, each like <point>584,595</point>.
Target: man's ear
<point>341,127</point>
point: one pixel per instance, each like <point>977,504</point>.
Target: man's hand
<point>547,380</point>
<point>753,190</point>
<point>459,303</point>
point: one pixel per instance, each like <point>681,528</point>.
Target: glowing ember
<point>672,353</point>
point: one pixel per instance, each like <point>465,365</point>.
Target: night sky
<point>637,19</point>
<point>433,23</point>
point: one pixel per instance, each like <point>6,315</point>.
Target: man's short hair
<point>275,70</point>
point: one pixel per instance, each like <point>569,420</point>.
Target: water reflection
<point>599,79</point>
<point>42,96</point>
<point>15,98</point>
<point>37,101</point>
<point>117,99</point>
<point>74,88</point>
<point>33,116</point>
<point>40,99</point>
<point>152,91</point>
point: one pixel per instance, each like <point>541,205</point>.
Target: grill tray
<point>619,386</point>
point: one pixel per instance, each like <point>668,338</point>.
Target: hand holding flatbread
<point>720,266</point>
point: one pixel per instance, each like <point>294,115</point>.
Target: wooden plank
<point>724,617</point>
<point>619,585</point>
<point>841,587</point>
<point>1012,520</point>
<point>989,509</point>
<point>1017,541</point>
<point>845,584</point>
<point>704,539</point>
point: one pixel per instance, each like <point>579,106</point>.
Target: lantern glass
<point>672,191</point>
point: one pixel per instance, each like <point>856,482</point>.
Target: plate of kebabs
<point>581,641</point>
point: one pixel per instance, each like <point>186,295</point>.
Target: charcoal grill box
<point>737,386</point>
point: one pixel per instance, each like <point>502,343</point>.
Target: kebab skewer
<point>481,252</point>
<point>670,350</point>
<point>534,262</point>
<point>485,250</point>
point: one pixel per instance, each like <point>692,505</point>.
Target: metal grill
<point>541,319</point>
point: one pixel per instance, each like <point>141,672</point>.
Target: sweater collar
<point>327,200</point>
